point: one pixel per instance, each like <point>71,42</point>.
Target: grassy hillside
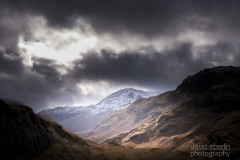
<point>24,135</point>
<point>205,108</point>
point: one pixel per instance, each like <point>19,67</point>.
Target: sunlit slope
<point>204,108</point>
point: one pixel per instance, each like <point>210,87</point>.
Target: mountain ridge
<point>210,77</point>
<point>94,114</point>
<point>191,114</point>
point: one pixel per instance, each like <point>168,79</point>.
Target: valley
<point>204,109</point>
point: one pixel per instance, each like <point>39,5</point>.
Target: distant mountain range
<point>82,119</point>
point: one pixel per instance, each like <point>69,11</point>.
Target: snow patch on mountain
<point>121,99</point>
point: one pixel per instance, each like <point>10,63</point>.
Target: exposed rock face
<point>23,134</point>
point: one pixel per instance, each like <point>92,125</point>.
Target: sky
<point>76,52</point>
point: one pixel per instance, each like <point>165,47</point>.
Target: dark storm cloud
<point>153,69</point>
<point>41,84</point>
<point>48,68</point>
<point>136,16</point>
<point>11,63</point>
<point>36,87</point>
<point>12,25</point>
<point>223,53</point>
<point>149,69</point>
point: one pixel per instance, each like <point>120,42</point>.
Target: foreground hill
<point>204,108</point>
<point>26,136</point>
<point>69,117</point>
<point>22,133</point>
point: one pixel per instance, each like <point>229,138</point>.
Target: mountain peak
<point>123,98</point>
<point>210,78</point>
<point>127,90</point>
<point>92,115</point>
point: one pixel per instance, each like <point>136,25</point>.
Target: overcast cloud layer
<point>77,51</point>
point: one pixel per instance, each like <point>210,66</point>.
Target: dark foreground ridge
<point>22,132</point>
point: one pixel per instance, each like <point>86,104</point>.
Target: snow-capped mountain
<point>80,118</point>
<point>121,99</point>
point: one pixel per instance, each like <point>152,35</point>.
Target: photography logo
<point>210,150</point>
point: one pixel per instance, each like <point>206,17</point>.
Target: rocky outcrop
<point>22,133</point>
